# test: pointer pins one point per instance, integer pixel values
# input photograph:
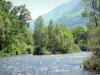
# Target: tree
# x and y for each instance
(14, 28)
(2, 34)
(63, 39)
(5, 6)
(80, 37)
(40, 32)
(92, 11)
(24, 15)
(28, 35)
(50, 33)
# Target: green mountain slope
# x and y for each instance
(67, 13)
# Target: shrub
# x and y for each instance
(73, 48)
(41, 51)
(15, 50)
(1, 53)
(45, 51)
(38, 51)
(92, 63)
(87, 64)
(29, 49)
(22, 46)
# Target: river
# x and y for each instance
(64, 64)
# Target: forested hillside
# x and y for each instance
(69, 14)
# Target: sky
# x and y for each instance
(39, 7)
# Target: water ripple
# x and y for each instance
(67, 64)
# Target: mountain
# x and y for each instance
(68, 13)
(73, 17)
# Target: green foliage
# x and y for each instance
(63, 39)
(45, 51)
(29, 49)
(23, 46)
(80, 35)
(93, 13)
(16, 38)
(94, 45)
(94, 38)
(28, 35)
(40, 33)
(1, 53)
(15, 50)
(92, 64)
(41, 51)
(38, 51)
(14, 32)
(74, 48)
(55, 38)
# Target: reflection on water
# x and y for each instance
(68, 64)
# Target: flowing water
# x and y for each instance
(67, 64)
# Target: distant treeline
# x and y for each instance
(57, 38)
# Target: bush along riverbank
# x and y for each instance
(92, 64)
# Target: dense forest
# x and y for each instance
(56, 38)
(16, 38)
